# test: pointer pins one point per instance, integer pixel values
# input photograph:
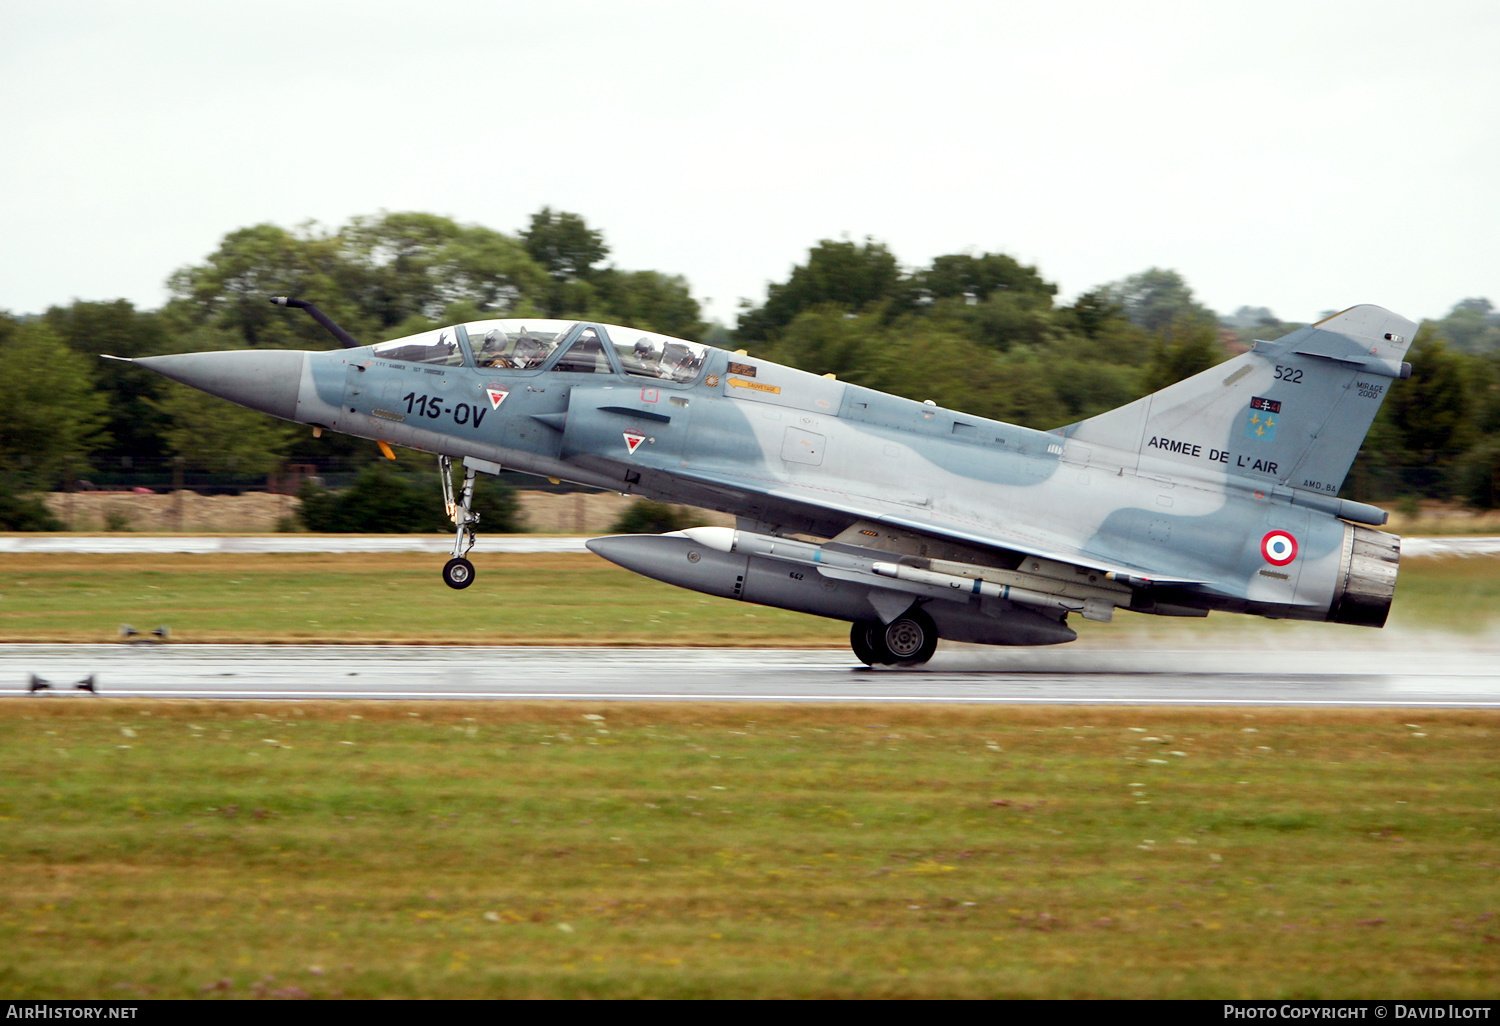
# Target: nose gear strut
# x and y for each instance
(458, 572)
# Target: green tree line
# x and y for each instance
(983, 333)
(980, 332)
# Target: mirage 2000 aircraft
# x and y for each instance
(909, 520)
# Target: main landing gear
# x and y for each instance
(908, 640)
(458, 572)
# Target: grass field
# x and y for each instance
(187, 849)
(549, 599)
(190, 849)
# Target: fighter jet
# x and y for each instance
(911, 521)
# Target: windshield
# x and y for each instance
(585, 355)
(649, 355)
(438, 347)
(515, 344)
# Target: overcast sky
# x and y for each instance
(1303, 156)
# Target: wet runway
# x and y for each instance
(957, 674)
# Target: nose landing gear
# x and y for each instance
(458, 572)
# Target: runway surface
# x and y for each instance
(959, 674)
(124, 544)
(127, 544)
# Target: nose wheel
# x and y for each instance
(458, 572)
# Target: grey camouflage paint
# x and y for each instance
(1177, 494)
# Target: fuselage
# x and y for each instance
(788, 452)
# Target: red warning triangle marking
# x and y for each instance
(497, 396)
(633, 440)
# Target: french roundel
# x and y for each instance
(1279, 548)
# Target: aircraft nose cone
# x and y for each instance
(267, 380)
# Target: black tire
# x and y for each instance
(862, 638)
(910, 639)
(458, 573)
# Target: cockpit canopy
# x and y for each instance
(533, 344)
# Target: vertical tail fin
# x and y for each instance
(1288, 414)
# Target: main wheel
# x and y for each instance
(911, 638)
(458, 572)
(863, 639)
